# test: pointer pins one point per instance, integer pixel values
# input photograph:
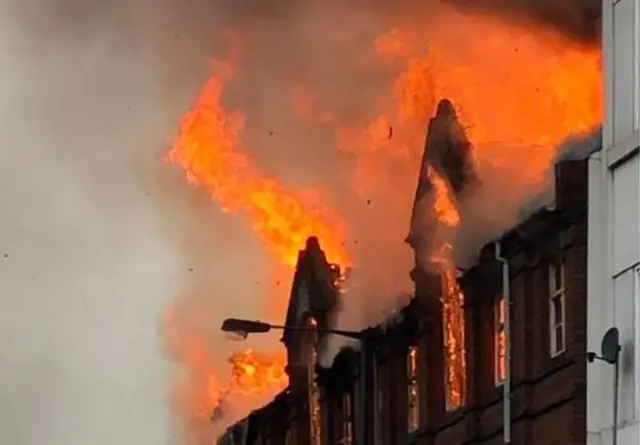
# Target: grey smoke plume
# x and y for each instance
(92, 243)
(579, 19)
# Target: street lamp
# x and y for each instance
(245, 327)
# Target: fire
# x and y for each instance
(451, 296)
(518, 86)
(444, 207)
(202, 395)
(254, 373)
(521, 90)
(208, 148)
(453, 328)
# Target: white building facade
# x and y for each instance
(613, 294)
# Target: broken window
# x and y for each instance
(315, 414)
(347, 419)
(557, 296)
(413, 390)
(500, 341)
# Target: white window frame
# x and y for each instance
(413, 389)
(499, 329)
(557, 291)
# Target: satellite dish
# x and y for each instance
(610, 346)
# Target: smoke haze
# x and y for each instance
(99, 237)
(92, 245)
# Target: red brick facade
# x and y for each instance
(548, 394)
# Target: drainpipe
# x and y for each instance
(506, 386)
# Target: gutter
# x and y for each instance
(506, 386)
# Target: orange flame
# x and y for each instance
(520, 91)
(254, 372)
(445, 208)
(454, 331)
(517, 86)
(208, 150)
(201, 395)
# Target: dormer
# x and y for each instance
(314, 299)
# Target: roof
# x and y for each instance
(448, 151)
(313, 290)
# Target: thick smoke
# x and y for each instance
(578, 19)
(96, 239)
(101, 236)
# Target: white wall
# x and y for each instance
(614, 230)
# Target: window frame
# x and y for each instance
(499, 329)
(316, 424)
(557, 292)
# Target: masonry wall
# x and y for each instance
(548, 400)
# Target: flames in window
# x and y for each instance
(453, 326)
(413, 390)
(500, 341)
(315, 413)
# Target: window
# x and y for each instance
(347, 419)
(315, 413)
(500, 341)
(413, 390)
(382, 404)
(289, 438)
(557, 323)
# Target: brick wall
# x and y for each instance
(548, 394)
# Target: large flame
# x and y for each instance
(208, 148)
(520, 91)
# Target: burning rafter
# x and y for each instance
(446, 173)
(454, 332)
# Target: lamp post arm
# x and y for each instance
(350, 334)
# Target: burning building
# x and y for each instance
(493, 354)
(336, 160)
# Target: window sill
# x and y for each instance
(412, 437)
(623, 150)
(557, 354)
